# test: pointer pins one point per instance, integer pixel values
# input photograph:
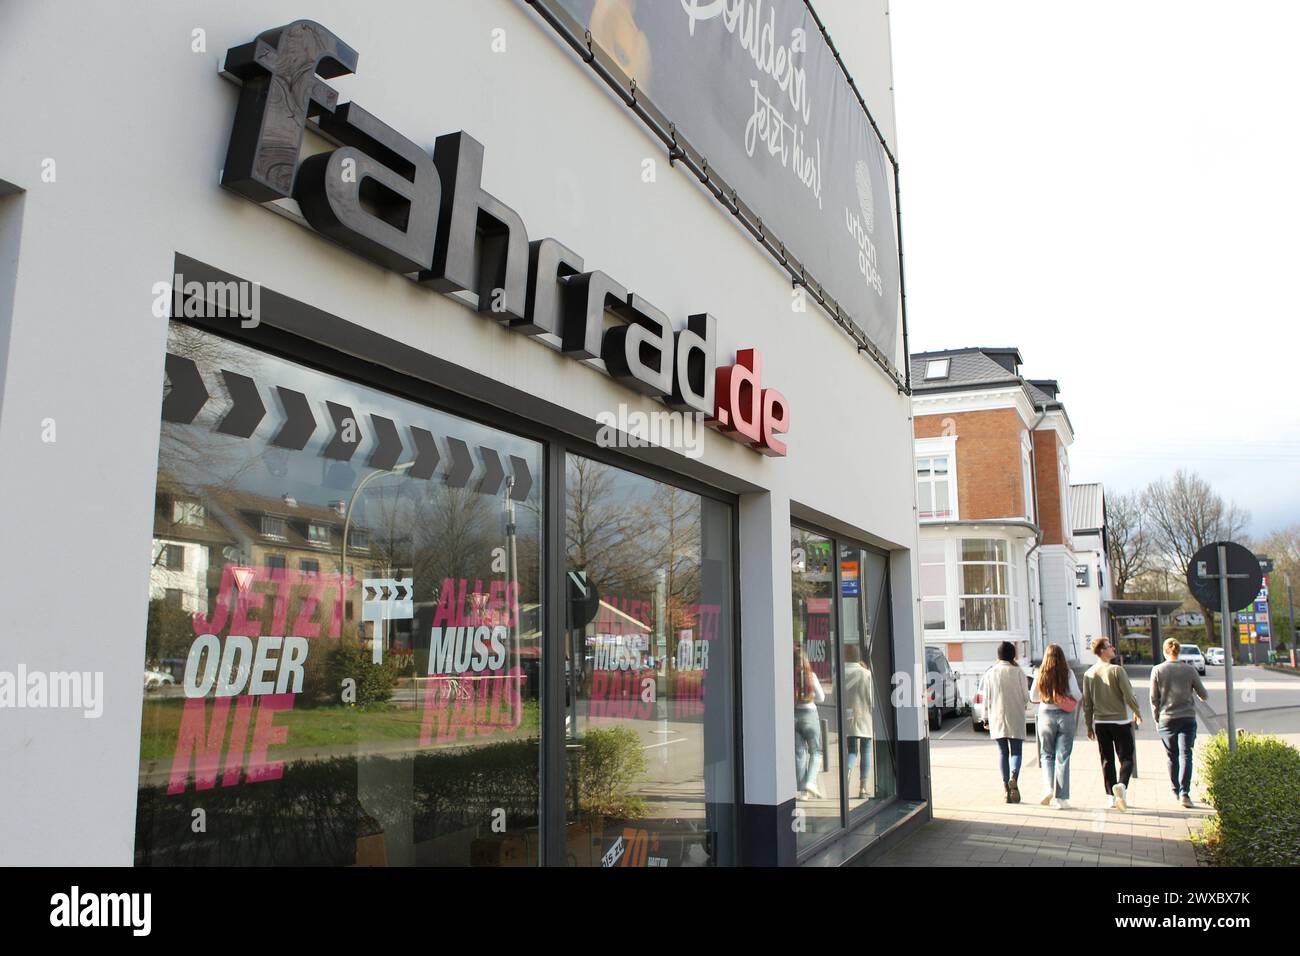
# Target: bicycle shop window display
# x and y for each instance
(352, 628)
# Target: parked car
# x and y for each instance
(942, 692)
(155, 679)
(1191, 654)
(977, 718)
(1214, 655)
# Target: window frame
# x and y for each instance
(931, 448)
(1008, 596)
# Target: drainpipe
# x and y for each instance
(1038, 539)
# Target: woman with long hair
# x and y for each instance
(1057, 694)
(808, 694)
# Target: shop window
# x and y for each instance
(934, 487)
(299, 749)
(649, 771)
(985, 581)
(816, 677)
(869, 773)
(843, 660)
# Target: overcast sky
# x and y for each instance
(1114, 188)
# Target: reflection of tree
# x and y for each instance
(601, 531)
(195, 449)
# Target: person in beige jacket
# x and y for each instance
(1006, 694)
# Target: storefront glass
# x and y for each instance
(816, 679)
(343, 650)
(649, 707)
(868, 662)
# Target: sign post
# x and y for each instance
(1238, 577)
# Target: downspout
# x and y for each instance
(1038, 539)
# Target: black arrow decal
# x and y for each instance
(187, 394)
(461, 463)
(347, 433)
(426, 454)
(246, 410)
(490, 483)
(523, 478)
(299, 424)
(388, 447)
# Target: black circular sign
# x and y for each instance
(584, 599)
(1203, 582)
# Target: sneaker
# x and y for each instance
(814, 790)
(1120, 800)
(1013, 791)
(1186, 800)
(1110, 803)
(863, 795)
(1047, 798)
(1061, 804)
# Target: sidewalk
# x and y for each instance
(974, 826)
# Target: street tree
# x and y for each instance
(1129, 545)
(1184, 514)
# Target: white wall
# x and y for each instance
(138, 125)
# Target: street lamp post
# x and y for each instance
(347, 525)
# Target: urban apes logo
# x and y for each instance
(429, 217)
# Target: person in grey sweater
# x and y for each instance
(1174, 711)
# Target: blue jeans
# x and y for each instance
(807, 746)
(1179, 737)
(1055, 744)
(855, 746)
(1009, 750)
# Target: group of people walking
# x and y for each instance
(1110, 715)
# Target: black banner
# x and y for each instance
(754, 88)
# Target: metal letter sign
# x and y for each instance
(381, 196)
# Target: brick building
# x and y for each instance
(993, 501)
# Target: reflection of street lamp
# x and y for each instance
(347, 523)
(347, 518)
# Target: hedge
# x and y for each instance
(1256, 791)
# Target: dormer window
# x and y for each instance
(937, 369)
(274, 526)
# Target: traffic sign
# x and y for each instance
(1244, 576)
(584, 599)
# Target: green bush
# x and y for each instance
(610, 764)
(1256, 791)
(374, 681)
